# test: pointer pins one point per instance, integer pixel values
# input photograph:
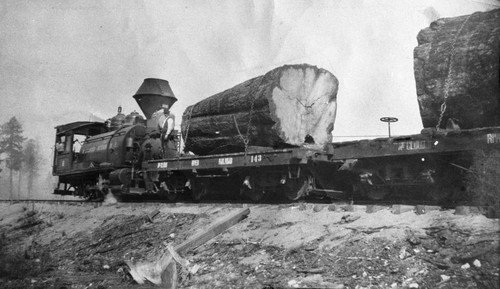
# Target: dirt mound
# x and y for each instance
(298, 245)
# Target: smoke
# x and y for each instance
(110, 199)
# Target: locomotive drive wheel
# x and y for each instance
(294, 189)
(94, 195)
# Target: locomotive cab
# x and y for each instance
(86, 153)
(69, 140)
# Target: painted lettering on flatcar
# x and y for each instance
(413, 145)
(256, 159)
(162, 165)
(493, 138)
(225, 161)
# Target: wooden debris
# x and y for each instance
(151, 215)
(312, 270)
(432, 208)
(374, 208)
(462, 210)
(438, 264)
(318, 208)
(420, 209)
(347, 208)
(348, 219)
(213, 230)
(399, 209)
(369, 230)
(164, 270)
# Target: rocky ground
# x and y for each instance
(298, 245)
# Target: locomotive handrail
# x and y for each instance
(109, 142)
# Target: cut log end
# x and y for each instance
(304, 105)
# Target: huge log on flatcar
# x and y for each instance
(288, 106)
(456, 67)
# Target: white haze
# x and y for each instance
(63, 61)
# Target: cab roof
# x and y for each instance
(81, 127)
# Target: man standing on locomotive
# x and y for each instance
(166, 123)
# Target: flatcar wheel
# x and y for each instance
(377, 193)
(295, 188)
(252, 188)
(199, 189)
(438, 195)
(166, 194)
(172, 197)
(255, 195)
(169, 196)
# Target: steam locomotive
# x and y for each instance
(127, 155)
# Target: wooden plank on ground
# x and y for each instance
(219, 226)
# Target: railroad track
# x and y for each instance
(238, 203)
(396, 207)
(47, 201)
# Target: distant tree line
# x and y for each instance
(18, 156)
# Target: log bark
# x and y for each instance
(278, 109)
(463, 54)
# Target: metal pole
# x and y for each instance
(388, 119)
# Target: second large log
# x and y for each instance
(288, 106)
(456, 67)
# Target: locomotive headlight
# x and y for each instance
(423, 159)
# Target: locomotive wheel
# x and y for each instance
(92, 195)
(295, 188)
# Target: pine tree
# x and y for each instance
(32, 162)
(11, 142)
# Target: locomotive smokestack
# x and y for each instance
(152, 94)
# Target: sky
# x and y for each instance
(65, 61)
